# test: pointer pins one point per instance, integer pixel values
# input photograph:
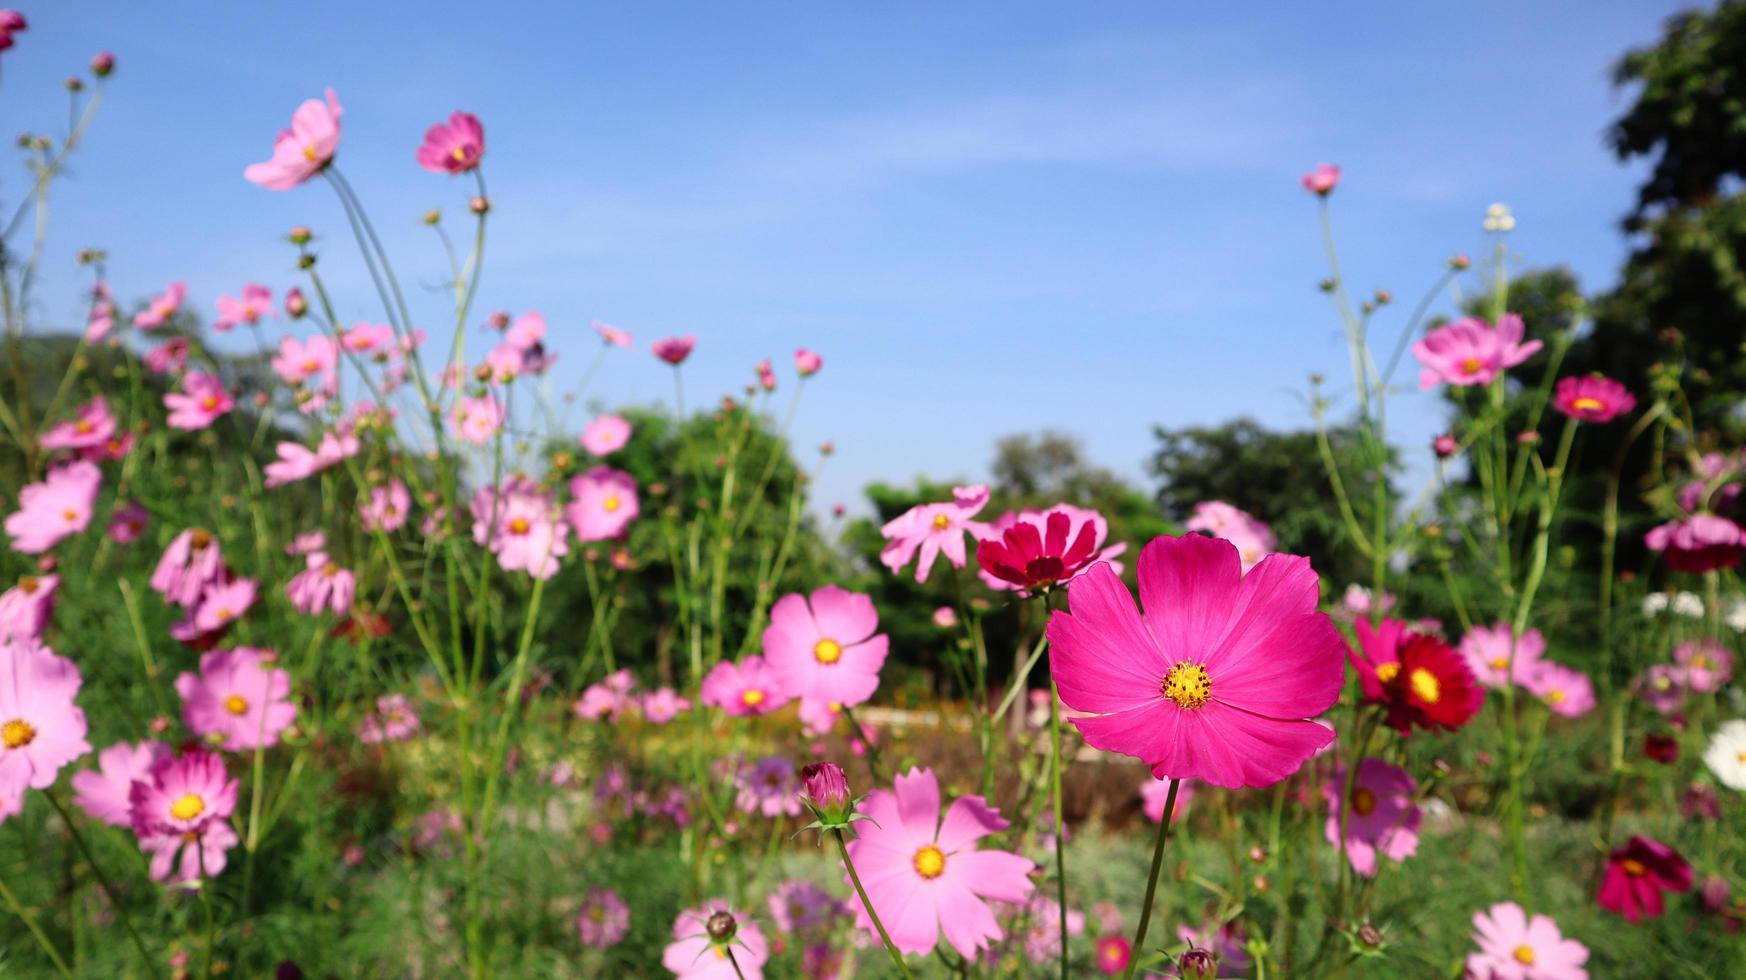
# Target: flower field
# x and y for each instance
(337, 647)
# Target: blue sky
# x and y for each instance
(990, 218)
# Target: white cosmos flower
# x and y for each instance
(1726, 754)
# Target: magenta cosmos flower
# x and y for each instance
(200, 402)
(1515, 947)
(454, 147)
(91, 426)
(823, 649)
(254, 303)
(181, 813)
(1382, 819)
(1219, 678)
(603, 502)
(57, 507)
(1699, 543)
(1155, 792)
(26, 607)
(606, 434)
(933, 530)
(749, 687)
(1253, 538)
(162, 307)
(704, 938)
(1636, 876)
(236, 701)
(302, 151)
(1498, 658)
(1030, 549)
(1592, 398)
(604, 919)
(925, 875)
(41, 729)
(1471, 352)
(1322, 180)
(106, 793)
(674, 350)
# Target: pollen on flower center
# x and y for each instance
(1587, 404)
(1633, 867)
(941, 522)
(17, 733)
(1555, 696)
(1189, 685)
(459, 153)
(930, 861)
(309, 152)
(1426, 686)
(827, 651)
(187, 807)
(209, 403)
(1525, 955)
(1499, 663)
(83, 426)
(596, 913)
(235, 704)
(1470, 365)
(1363, 801)
(752, 697)
(1386, 673)
(610, 504)
(519, 525)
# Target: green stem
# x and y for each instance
(42, 940)
(854, 878)
(1151, 881)
(103, 882)
(1060, 830)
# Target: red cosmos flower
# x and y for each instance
(1636, 876)
(1661, 748)
(1419, 679)
(1033, 559)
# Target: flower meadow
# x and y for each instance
(338, 648)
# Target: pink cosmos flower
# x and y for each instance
(934, 529)
(181, 794)
(799, 906)
(191, 563)
(1514, 947)
(925, 875)
(521, 526)
(200, 402)
(100, 320)
(322, 584)
(694, 954)
(387, 508)
(807, 363)
(769, 787)
(254, 303)
(1220, 678)
(1566, 691)
(236, 701)
(106, 792)
(1636, 876)
(306, 544)
(1155, 792)
(1043, 936)
(674, 350)
(162, 307)
(1358, 601)
(26, 607)
(302, 151)
(612, 336)
(606, 434)
(1383, 819)
(1592, 398)
(1032, 549)
(603, 502)
(824, 650)
(609, 699)
(11, 22)
(1487, 650)
(1253, 538)
(185, 859)
(170, 357)
(1322, 180)
(945, 617)
(302, 362)
(1708, 665)
(526, 332)
(766, 375)
(749, 687)
(363, 338)
(1663, 688)
(57, 507)
(1471, 352)
(604, 919)
(41, 729)
(93, 425)
(662, 705)
(224, 603)
(1699, 543)
(1112, 953)
(504, 363)
(454, 147)
(297, 462)
(395, 720)
(476, 420)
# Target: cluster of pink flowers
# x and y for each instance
(1498, 659)
(520, 524)
(611, 699)
(1253, 538)
(1699, 667)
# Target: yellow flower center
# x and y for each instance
(1525, 955)
(1386, 673)
(1586, 404)
(27, 584)
(1633, 867)
(1363, 802)
(941, 522)
(1470, 366)
(1499, 663)
(518, 526)
(751, 697)
(930, 862)
(309, 152)
(1701, 662)
(329, 570)
(596, 913)
(1426, 686)
(209, 403)
(187, 807)
(459, 153)
(82, 426)
(69, 515)
(17, 733)
(827, 651)
(1555, 696)
(235, 704)
(610, 504)
(1188, 685)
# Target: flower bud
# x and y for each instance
(825, 789)
(1444, 446)
(300, 235)
(75, 83)
(721, 927)
(1198, 964)
(1460, 263)
(479, 204)
(1715, 893)
(306, 261)
(103, 64)
(295, 304)
(433, 216)
(807, 363)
